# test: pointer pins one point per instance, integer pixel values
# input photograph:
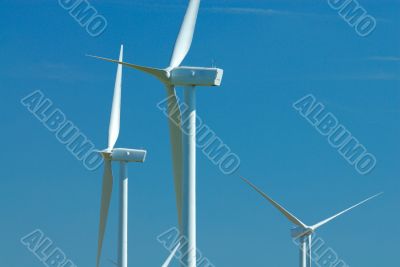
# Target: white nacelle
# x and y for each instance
(299, 232)
(128, 155)
(194, 76)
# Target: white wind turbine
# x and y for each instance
(183, 145)
(303, 232)
(123, 156)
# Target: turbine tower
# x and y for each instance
(123, 156)
(183, 141)
(303, 232)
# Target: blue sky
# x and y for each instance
(273, 53)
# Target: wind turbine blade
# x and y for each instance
(316, 226)
(185, 36)
(171, 256)
(113, 131)
(174, 121)
(286, 213)
(158, 73)
(105, 205)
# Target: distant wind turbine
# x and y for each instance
(123, 156)
(302, 231)
(183, 145)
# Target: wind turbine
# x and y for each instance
(123, 156)
(302, 231)
(183, 145)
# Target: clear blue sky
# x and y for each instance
(271, 59)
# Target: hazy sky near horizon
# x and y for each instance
(273, 53)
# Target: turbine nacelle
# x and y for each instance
(124, 154)
(195, 76)
(298, 232)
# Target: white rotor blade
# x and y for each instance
(105, 205)
(185, 36)
(171, 256)
(174, 121)
(113, 130)
(286, 213)
(158, 73)
(316, 226)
